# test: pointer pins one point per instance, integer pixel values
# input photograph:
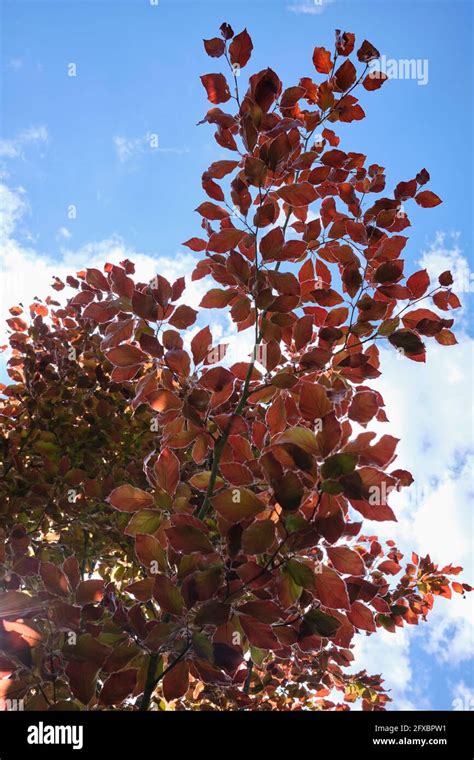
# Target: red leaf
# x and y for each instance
(300, 194)
(82, 679)
(216, 87)
(54, 579)
(344, 42)
(214, 47)
(361, 617)
(374, 80)
(129, 499)
(330, 589)
(223, 241)
(236, 504)
(167, 470)
(236, 473)
(446, 338)
(118, 687)
(259, 634)
(95, 278)
(418, 283)
(183, 317)
(240, 49)
(313, 402)
(188, 539)
(346, 560)
(90, 591)
(367, 52)
(389, 566)
(126, 356)
(100, 312)
(176, 681)
(226, 31)
(196, 244)
(445, 278)
(163, 401)
(148, 549)
(219, 169)
(364, 406)
(322, 60)
(212, 211)
(427, 199)
(345, 75)
(141, 590)
(216, 299)
(201, 344)
(303, 331)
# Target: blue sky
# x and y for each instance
(81, 140)
(138, 70)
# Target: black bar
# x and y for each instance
(114, 735)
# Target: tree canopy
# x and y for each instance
(180, 532)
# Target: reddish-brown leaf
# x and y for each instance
(322, 60)
(223, 241)
(118, 686)
(54, 579)
(346, 560)
(214, 47)
(330, 589)
(216, 87)
(167, 469)
(127, 498)
(126, 356)
(361, 617)
(240, 49)
(176, 681)
(427, 199)
(236, 504)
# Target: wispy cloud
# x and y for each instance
(309, 7)
(15, 63)
(63, 234)
(12, 148)
(128, 148)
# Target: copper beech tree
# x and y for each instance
(179, 529)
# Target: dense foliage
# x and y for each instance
(178, 529)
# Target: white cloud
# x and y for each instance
(12, 207)
(429, 407)
(463, 697)
(12, 148)
(309, 7)
(128, 147)
(387, 654)
(63, 234)
(132, 147)
(26, 273)
(445, 253)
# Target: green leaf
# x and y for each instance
(321, 624)
(168, 595)
(337, 465)
(203, 646)
(302, 574)
(301, 437)
(147, 521)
